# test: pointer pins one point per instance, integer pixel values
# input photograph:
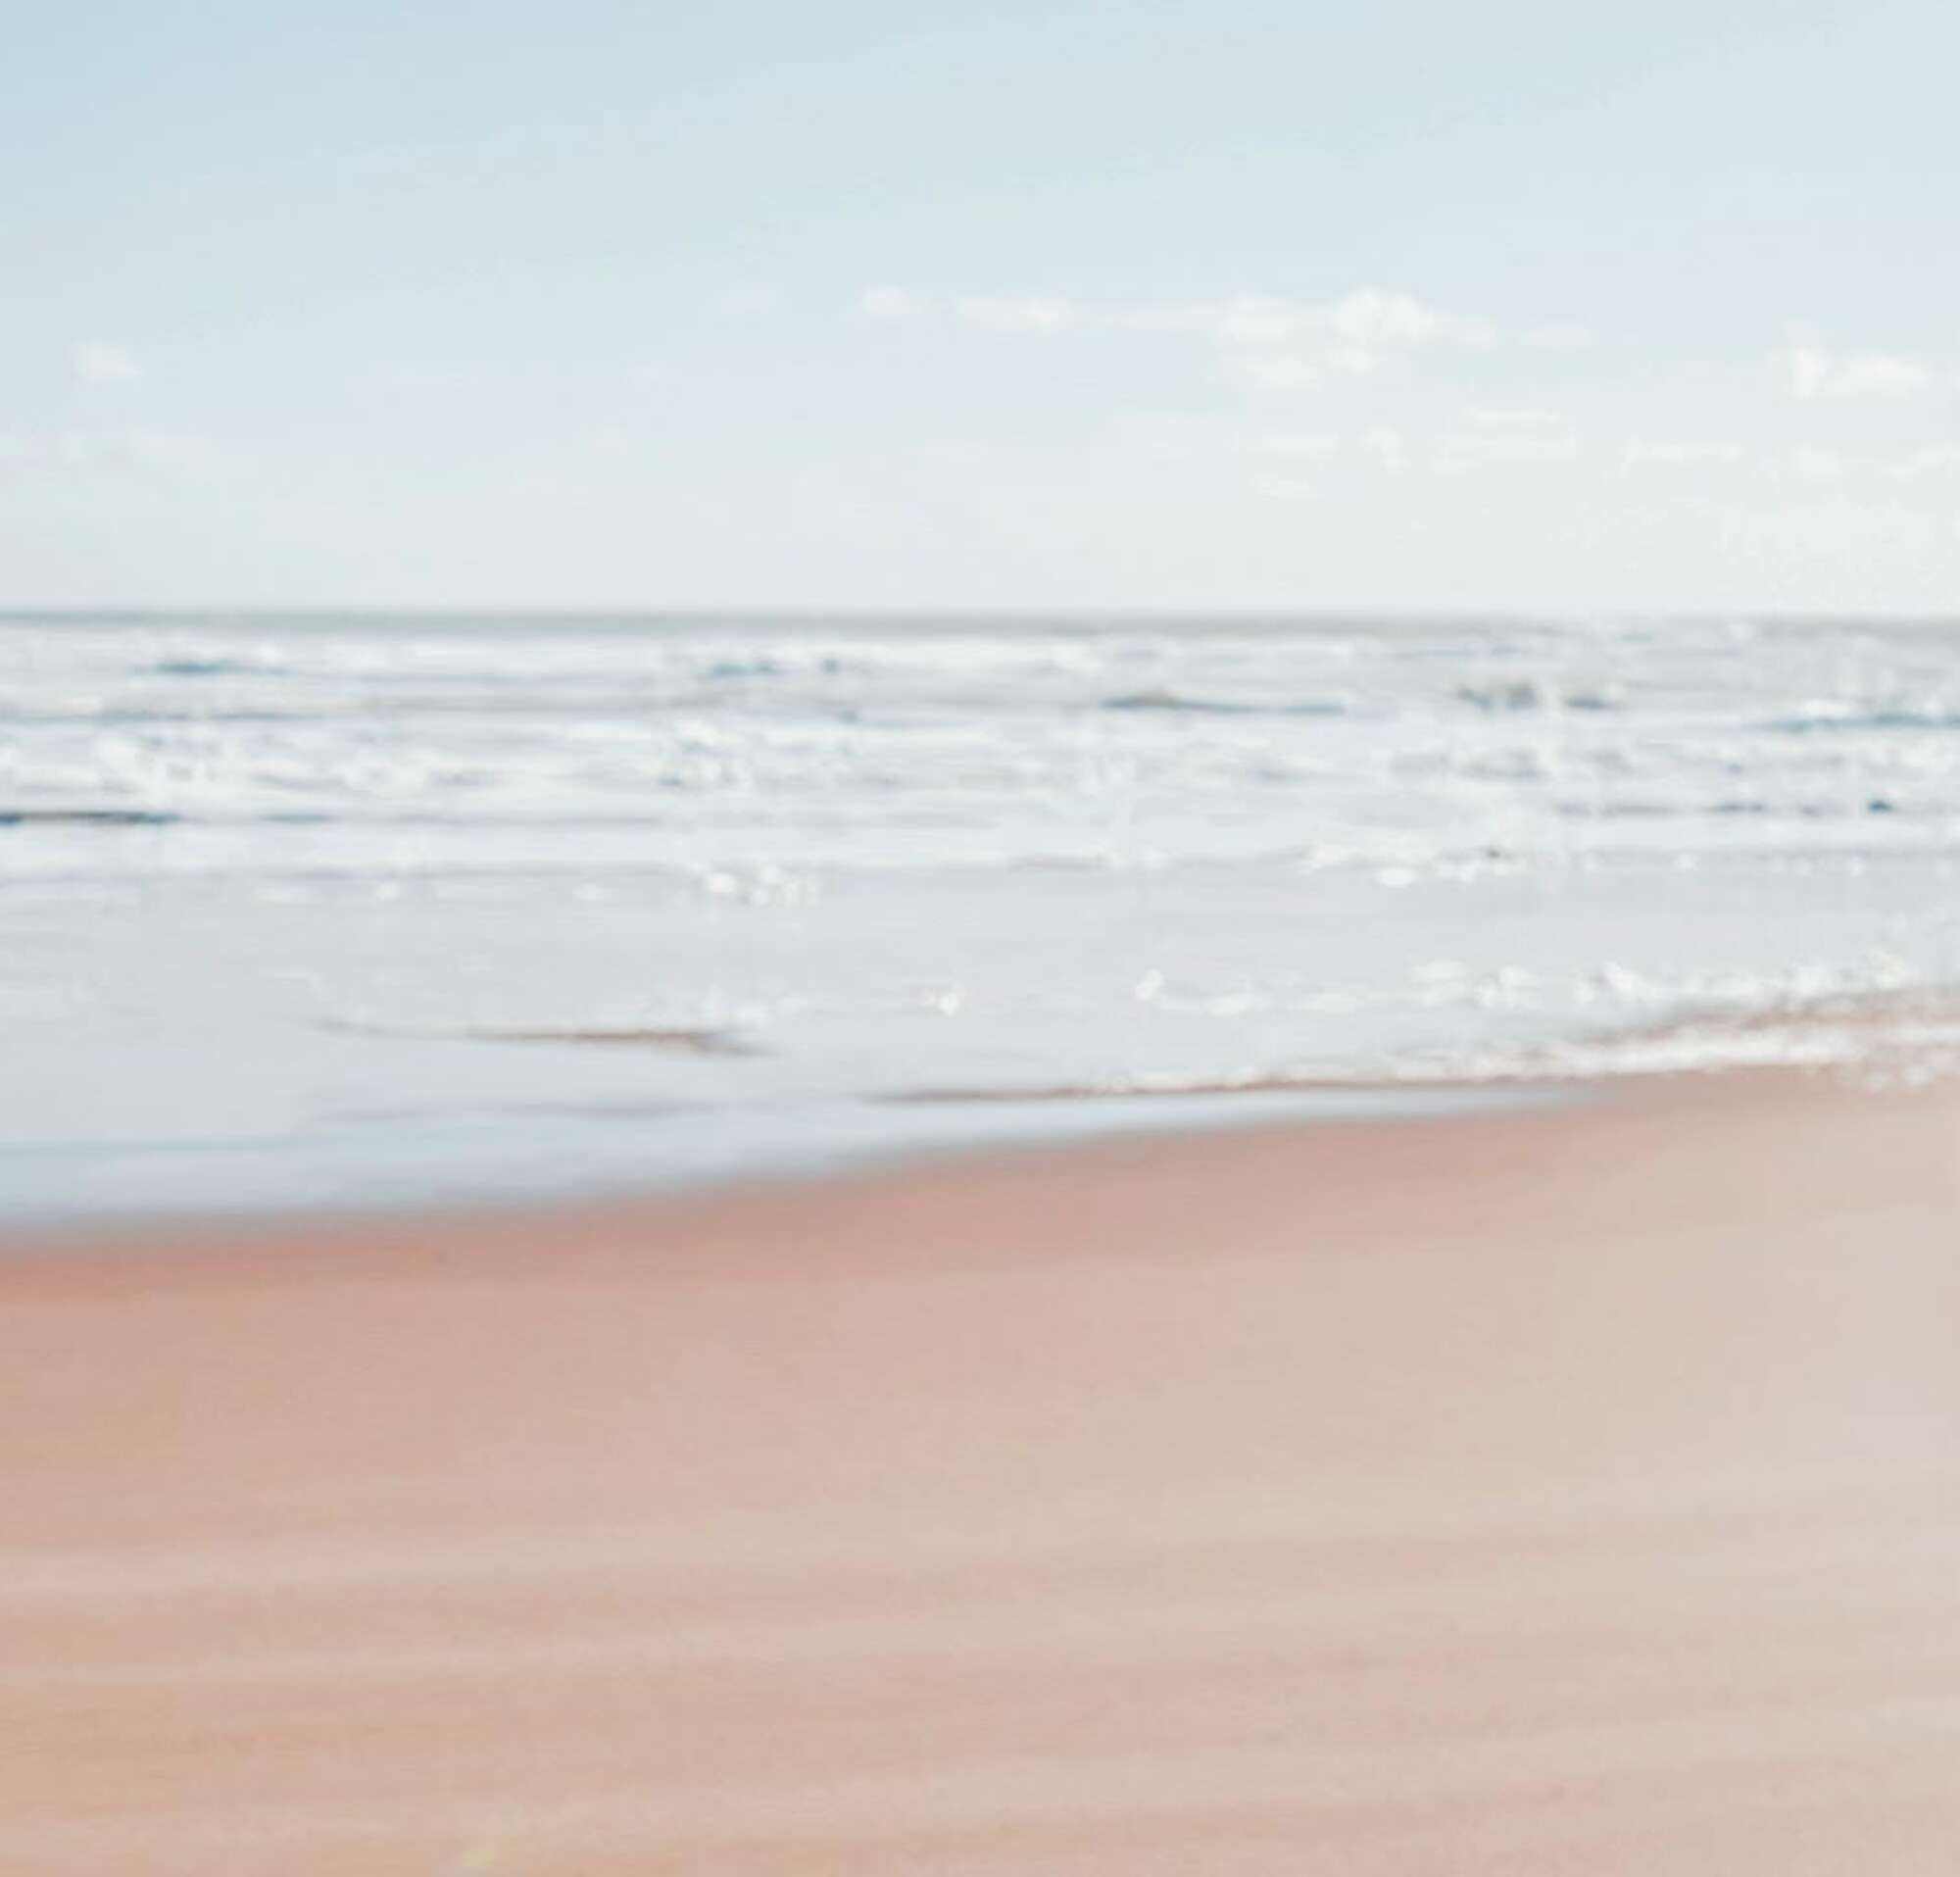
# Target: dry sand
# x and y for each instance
(1566, 1493)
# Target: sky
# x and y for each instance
(1116, 305)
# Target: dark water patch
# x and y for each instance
(359, 812)
(731, 670)
(690, 1042)
(681, 1039)
(1813, 810)
(1829, 724)
(1177, 701)
(391, 705)
(441, 1115)
(87, 817)
(1533, 694)
(1732, 808)
(1068, 1092)
(213, 668)
(118, 716)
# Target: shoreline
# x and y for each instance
(1892, 1040)
(1150, 1118)
(1567, 1487)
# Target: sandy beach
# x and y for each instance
(1565, 1492)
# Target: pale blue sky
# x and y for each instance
(1146, 304)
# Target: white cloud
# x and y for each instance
(178, 453)
(1860, 534)
(95, 362)
(1811, 464)
(1173, 436)
(1376, 318)
(1388, 446)
(890, 303)
(1026, 313)
(172, 456)
(1279, 345)
(1298, 369)
(1265, 342)
(1517, 418)
(1808, 371)
(1930, 459)
(1879, 374)
(1367, 317)
(1509, 436)
(1557, 335)
(1642, 454)
(1034, 313)
(1516, 446)
(1247, 319)
(1313, 447)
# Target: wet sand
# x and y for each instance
(1575, 1492)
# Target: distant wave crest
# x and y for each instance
(1166, 700)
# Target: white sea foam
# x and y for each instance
(265, 878)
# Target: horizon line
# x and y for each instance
(667, 612)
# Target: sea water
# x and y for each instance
(303, 910)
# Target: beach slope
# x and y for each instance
(1568, 1492)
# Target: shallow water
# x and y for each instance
(299, 910)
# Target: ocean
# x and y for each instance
(303, 910)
